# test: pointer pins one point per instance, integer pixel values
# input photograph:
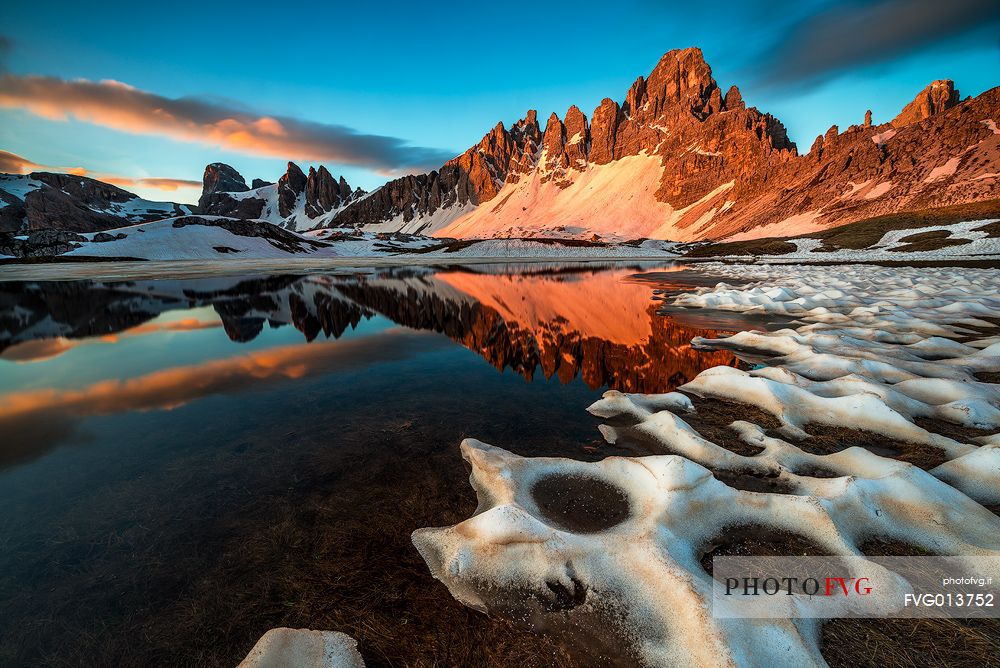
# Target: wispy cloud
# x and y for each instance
(122, 107)
(838, 37)
(40, 350)
(157, 182)
(12, 163)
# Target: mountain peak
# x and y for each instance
(221, 178)
(291, 183)
(939, 96)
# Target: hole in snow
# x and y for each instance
(825, 440)
(891, 547)
(757, 541)
(754, 482)
(565, 597)
(580, 504)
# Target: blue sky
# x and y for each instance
(419, 81)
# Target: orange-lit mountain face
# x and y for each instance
(592, 325)
(595, 326)
(679, 158)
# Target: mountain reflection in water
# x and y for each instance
(591, 324)
(185, 464)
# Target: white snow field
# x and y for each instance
(873, 349)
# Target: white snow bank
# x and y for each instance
(636, 585)
(160, 240)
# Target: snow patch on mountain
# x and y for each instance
(800, 223)
(424, 224)
(615, 201)
(18, 185)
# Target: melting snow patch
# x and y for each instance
(879, 189)
(883, 137)
(615, 548)
(943, 171)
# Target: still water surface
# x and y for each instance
(187, 463)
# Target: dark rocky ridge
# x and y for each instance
(76, 204)
(321, 191)
(221, 178)
(277, 237)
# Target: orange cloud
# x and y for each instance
(183, 325)
(40, 350)
(160, 183)
(116, 105)
(12, 163)
(37, 351)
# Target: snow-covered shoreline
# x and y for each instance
(68, 271)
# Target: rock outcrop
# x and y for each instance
(41, 243)
(291, 184)
(278, 202)
(220, 178)
(939, 96)
(324, 193)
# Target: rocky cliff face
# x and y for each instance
(678, 112)
(319, 194)
(221, 178)
(939, 96)
(676, 158)
(688, 161)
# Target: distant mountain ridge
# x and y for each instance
(296, 201)
(677, 159)
(46, 200)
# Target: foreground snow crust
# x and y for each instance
(871, 349)
(303, 648)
